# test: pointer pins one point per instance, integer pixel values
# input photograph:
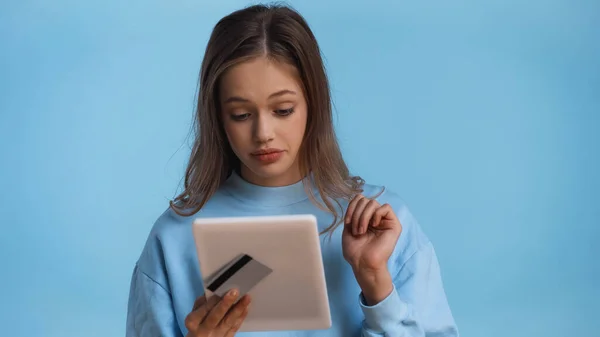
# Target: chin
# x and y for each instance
(270, 172)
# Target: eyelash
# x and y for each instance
(281, 112)
(284, 112)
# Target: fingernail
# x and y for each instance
(233, 292)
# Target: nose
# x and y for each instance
(264, 128)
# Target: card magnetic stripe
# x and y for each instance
(244, 260)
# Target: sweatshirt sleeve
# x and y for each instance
(150, 309)
(417, 306)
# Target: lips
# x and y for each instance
(268, 156)
(266, 151)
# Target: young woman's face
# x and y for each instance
(264, 116)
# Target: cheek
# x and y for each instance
(299, 134)
(297, 128)
(235, 135)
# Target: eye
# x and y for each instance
(240, 117)
(284, 112)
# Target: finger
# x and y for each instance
(194, 318)
(207, 306)
(384, 212)
(351, 207)
(199, 301)
(238, 324)
(233, 316)
(367, 216)
(362, 203)
(217, 313)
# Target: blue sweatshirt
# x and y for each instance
(166, 279)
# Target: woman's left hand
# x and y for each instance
(370, 234)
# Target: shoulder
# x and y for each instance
(167, 227)
(413, 238)
(171, 224)
(170, 240)
(161, 243)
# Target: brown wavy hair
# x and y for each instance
(280, 33)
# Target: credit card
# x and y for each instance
(243, 273)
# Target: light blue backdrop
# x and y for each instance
(483, 115)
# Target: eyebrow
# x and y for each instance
(239, 99)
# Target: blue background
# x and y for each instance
(483, 115)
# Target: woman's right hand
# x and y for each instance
(217, 317)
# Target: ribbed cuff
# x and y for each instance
(385, 315)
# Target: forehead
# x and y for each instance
(258, 78)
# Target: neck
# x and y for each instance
(265, 196)
(290, 177)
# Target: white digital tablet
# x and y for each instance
(275, 259)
